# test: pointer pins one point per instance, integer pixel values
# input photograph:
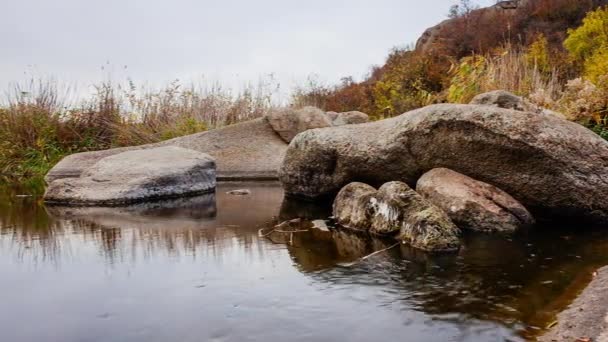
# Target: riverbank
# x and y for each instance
(586, 319)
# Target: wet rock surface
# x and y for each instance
(541, 160)
(472, 204)
(135, 176)
(398, 211)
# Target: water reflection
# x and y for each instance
(203, 257)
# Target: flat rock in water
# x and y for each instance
(555, 168)
(135, 176)
(398, 211)
(472, 204)
(248, 150)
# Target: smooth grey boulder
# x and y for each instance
(398, 211)
(507, 100)
(556, 168)
(135, 176)
(289, 122)
(348, 118)
(248, 150)
(472, 204)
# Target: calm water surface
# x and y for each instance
(196, 270)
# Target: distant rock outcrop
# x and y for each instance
(483, 29)
(439, 33)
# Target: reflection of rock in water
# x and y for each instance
(210, 224)
(317, 249)
(183, 212)
(292, 208)
(351, 246)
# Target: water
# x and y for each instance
(197, 270)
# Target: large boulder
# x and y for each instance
(554, 167)
(135, 176)
(289, 122)
(398, 211)
(248, 150)
(472, 204)
(347, 118)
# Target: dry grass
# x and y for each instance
(39, 124)
(510, 70)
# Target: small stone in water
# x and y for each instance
(239, 192)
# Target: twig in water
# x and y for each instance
(261, 234)
(369, 255)
(291, 231)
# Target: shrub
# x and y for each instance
(584, 102)
(407, 81)
(538, 54)
(588, 44)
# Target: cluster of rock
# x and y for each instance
(251, 150)
(431, 217)
(398, 211)
(490, 167)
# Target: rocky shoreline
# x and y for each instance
(586, 319)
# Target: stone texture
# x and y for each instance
(507, 100)
(472, 204)
(353, 207)
(434, 38)
(587, 317)
(398, 211)
(289, 122)
(248, 150)
(135, 176)
(554, 167)
(349, 118)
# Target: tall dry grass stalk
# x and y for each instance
(515, 72)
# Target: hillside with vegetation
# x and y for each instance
(553, 52)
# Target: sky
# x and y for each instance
(81, 42)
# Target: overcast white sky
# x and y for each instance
(230, 41)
